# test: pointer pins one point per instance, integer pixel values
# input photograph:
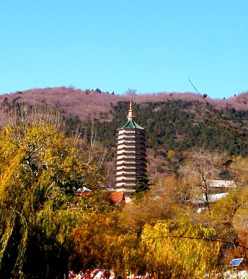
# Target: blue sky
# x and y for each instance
(148, 45)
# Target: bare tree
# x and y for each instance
(131, 92)
(202, 166)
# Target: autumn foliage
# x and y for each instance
(47, 230)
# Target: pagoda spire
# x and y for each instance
(130, 111)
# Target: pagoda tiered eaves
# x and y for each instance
(130, 156)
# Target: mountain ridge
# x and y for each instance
(84, 103)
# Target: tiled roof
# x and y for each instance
(117, 197)
(131, 124)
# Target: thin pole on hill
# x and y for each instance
(194, 87)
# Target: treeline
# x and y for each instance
(180, 125)
(177, 125)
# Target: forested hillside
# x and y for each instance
(182, 125)
(172, 120)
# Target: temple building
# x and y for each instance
(131, 175)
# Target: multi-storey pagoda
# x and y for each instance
(131, 161)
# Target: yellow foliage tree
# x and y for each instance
(40, 170)
(179, 250)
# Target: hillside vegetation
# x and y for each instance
(172, 120)
(182, 125)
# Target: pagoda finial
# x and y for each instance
(130, 111)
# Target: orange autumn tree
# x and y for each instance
(103, 241)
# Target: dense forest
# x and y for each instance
(182, 125)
